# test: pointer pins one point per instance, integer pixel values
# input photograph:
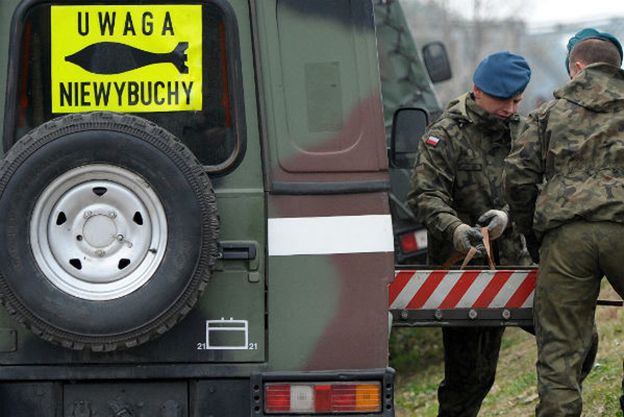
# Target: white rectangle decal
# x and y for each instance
(330, 235)
(227, 334)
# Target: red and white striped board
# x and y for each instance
(462, 289)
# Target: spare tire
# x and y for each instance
(109, 231)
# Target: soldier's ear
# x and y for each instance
(576, 67)
(476, 92)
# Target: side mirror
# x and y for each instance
(408, 126)
(437, 62)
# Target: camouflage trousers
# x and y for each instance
(470, 359)
(574, 259)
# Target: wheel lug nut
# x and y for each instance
(112, 214)
(88, 214)
(99, 252)
(120, 238)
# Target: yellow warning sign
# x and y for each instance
(143, 58)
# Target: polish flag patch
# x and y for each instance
(432, 140)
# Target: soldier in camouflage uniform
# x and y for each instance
(457, 184)
(565, 186)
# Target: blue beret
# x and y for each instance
(590, 33)
(502, 75)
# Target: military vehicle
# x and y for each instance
(406, 82)
(195, 207)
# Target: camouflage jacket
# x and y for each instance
(458, 177)
(568, 162)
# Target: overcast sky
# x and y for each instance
(542, 12)
(550, 11)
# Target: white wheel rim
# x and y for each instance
(98, 232)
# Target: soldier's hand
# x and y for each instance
(496, 222)
(465, 237)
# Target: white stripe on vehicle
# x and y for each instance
(330, 235)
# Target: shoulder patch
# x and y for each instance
(432, 140)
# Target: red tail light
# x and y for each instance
(335, 398)
(413, 241)
(277, 397)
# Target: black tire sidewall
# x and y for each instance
(177, 184)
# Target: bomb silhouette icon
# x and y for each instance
(116, 58)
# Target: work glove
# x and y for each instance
(465, 237)
(496, 222)
(532, 246)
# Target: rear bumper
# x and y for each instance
(164, 395)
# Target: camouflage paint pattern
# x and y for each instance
(313, 116)
(458, 177)
(564, 322)
(404, 79)
(574, 145)
(323, 310)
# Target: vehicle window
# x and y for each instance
(170, 64)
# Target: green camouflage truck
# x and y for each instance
(406, 82)
(196, 206)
